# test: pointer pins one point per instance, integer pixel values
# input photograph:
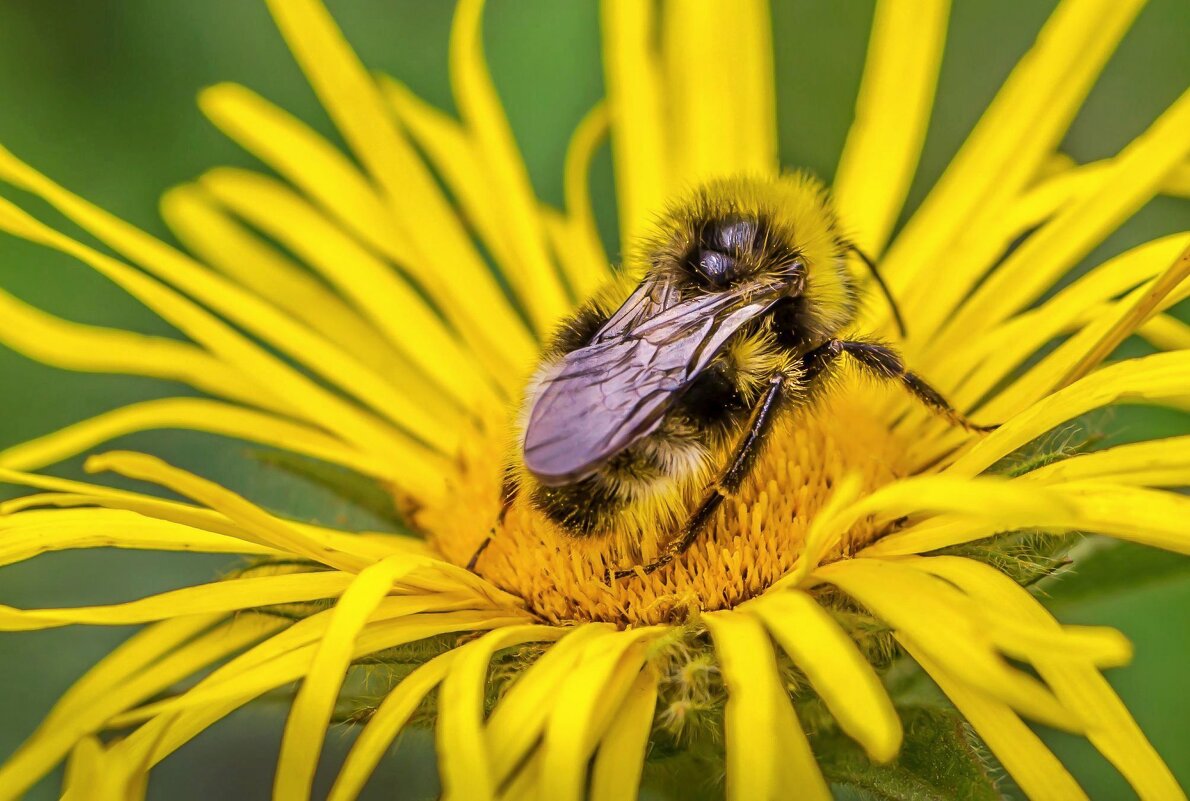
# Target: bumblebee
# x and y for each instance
(646, 412)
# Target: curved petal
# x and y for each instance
(536, 278)
(634, 100)
(1020, 751)
(196, 414)
(74, 346)
(1159, 378)
(443, 257)
(228, 595)
(386, 722)
(1110, 728)
(720, 101)
(392, 305)
(1135, 176)
(121, 682)
(301, 743)
(948, 628)
(767, 751)
(228, 246)
(464, 763)
(1019, 130)
(837, 670)
(518, 720)
(584, 706)
(306, 398)
(621, 755)
(891, 116)
(31, 534)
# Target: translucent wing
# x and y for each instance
(603, 397)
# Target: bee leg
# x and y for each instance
(733, 476)
(884, 363)
(508, 493)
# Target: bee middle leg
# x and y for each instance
(883, 363)
(746, 453)
(508, 493)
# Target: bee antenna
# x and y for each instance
(892, 304)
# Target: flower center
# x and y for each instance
(755, 538)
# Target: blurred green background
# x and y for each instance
(99, 94)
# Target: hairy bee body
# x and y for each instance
(654, 483)
(654, 399)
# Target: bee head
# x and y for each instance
(752, 234)
(726, 251)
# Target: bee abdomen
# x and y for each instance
(655, 473)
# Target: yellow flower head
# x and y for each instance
(845, 556)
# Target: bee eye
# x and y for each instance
(718, 268)
(738, 237)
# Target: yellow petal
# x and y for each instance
(948, 628)
(125, 684)
(1148, 517)
(526, 784)
(536, 278)
(1161, 377)
(306, 398)
(1007, 504)
(194, 414)
(370, 548)
(1166, 333)
(1037, 771)
(634, 102)
(306, 160)
(837, 670)
(73, 346)
(1135, 177)
(1110, 728)
(1135, 311)
(31, 534)
(824, 531)
(891, 117)
(517, 721)
(287, 657)
(1103, 331)
(586, 264)
(463, 761)
(92, 775)
(621, 756)
(443, 257)
(1155, 463)
(388, 301)
(986, 360)
(255, 524)
(583, 707)
(385, 723)
(719, 89)
(1019, 130)
(229, 595)
(301, 744)
(453, 154)
(1063, 179)
(768, 754)
(276, 662)
(196, 219)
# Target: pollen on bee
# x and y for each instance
(753, 540)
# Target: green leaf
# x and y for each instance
(360, 491)
(1102, 568)
(940, 760)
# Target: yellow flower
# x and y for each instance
(550, 679)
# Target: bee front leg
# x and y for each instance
(744, 457)
(883, 363)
